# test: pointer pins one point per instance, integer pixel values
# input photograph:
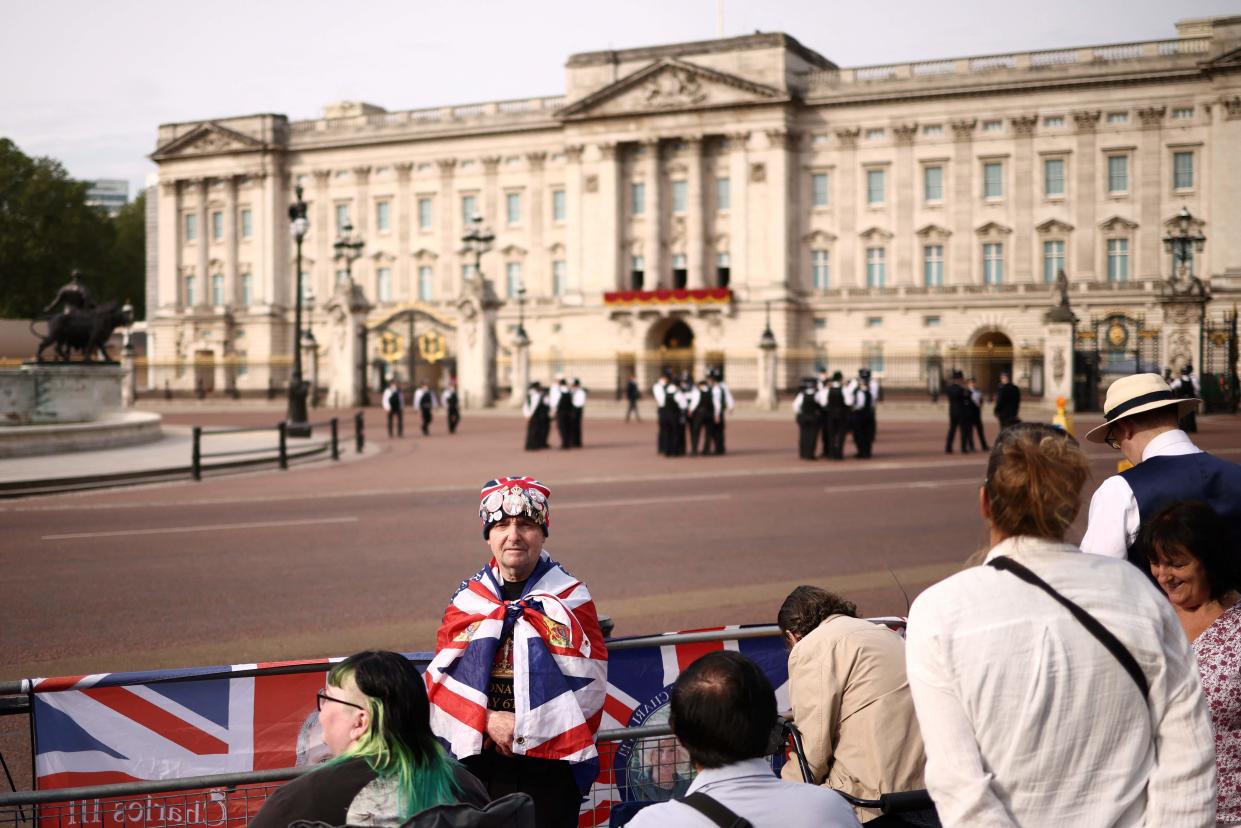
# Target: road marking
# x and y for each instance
(910, 484)
(643, 501)
(215, 527)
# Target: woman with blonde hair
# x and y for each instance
(1055, 688)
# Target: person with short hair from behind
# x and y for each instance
(1038, 713)
(850, 701)
(1187, 547)
(1007, 401)
(386, 765)
(1141, 421)
(723, 713)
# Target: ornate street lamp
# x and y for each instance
(522, 338)
(348, 249)
(1180, 244)
(768, 339)
(296, 424)
(477, 240)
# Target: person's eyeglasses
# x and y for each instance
(322, 697)
(1110, 440)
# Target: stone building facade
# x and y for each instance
(677, 200)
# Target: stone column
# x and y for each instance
(232, 290)
(1148, 190)
(846, 272)
(739, 225)
(204, 243)
(963, 263)
(346, 311)
(574, 252)
(1023, 193)
(405, 287)
(450, 282)
(905, 194)
(322, 235)
(653, 246)
(1081, 182)
(490, 202)
(768, 395)
(695, 214)
(521, 370)
(171, 233)
(782, 222)
(609, 239)
(540, 267)
(1058, 361)
(271, 268)
(362, 229)
(476, 342)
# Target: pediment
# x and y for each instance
(818, 237)
(934, 231)
(513, 250)
(670, 84)
(875, 234)
(423, 254)
(1232, 58)
(1054, 227)
(1117, 223)
(207, 139)
(1172, 224)
(993, 228)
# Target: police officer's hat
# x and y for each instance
(809, 383)
(864, 373)
(837, 376)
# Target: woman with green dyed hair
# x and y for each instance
(386, 763)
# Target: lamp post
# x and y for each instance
(477, 240)
(522, 338)
(296, 419)
(348, 250)
(768, 393)
(1180, 244)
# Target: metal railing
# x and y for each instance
(282, 452)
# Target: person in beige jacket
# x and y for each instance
(851, 701)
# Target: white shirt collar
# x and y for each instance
(1168, 443)
(737, 770)
(1026, 546)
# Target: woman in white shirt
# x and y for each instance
(1027, 717)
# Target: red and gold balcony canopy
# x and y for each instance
(701, 296)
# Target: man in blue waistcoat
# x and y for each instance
(1140, 419)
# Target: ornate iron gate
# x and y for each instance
(1113, 344)
(1220, 386)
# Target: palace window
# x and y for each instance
(723, 194)
(1053, 177)
(383, 284)
(217, 225)
(1053, 121)
(875, 186)
(558, 205)
(637, 198)
(191, 227)
(1118, 260)
(247, 289)
(469, 206)
(933, 265)
(1053, 260)
(426, 287)
(512, 208)
(1118, 117)
(933, 183)
(723, 268)
(820, 269)
(818, 189)
(1117, 174)
(993, 180)
(342, 217)
(876, 267)
(560, 276)
(247, 223)
(1183, 170)
(191, 298)
(425, 216)
(217, 289)
(512, 278)
(637, 272)
(933, 129)
(680, 271)
(383, 216)
(1182, 113)
(993, 263)
(680, 196)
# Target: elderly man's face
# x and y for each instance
(516, 543)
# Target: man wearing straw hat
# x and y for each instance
(1140, 420)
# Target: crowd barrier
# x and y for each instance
(639, 760)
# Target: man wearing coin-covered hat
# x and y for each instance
(520, 669)
(1140, 419)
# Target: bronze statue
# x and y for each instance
(73, 296)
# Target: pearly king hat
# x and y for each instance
(514, 496)
(1134, 395)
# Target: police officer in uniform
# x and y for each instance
(806, 413)
(861, 394)
(835, 416)
(701, 417)
(535, 411)
(956, 394)
(424, 401)
(1186, 387)
(723, 402)
(577, 407)
(452, 403)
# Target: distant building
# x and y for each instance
(676, 199)
(109, 193)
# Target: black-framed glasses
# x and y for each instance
(1110, 440)
(322, 697)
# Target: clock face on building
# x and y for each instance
(1117, 335)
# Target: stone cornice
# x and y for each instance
(1087, 120)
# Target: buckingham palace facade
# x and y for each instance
(677, 200)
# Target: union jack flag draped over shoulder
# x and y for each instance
(559, 666)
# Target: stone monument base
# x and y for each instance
(46, 408)
(111, 430)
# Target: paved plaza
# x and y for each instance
(327, 559)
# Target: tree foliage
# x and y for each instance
(47, 230)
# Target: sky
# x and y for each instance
(88, 82)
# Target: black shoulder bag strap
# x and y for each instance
(1092, 625)
(714, 811)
